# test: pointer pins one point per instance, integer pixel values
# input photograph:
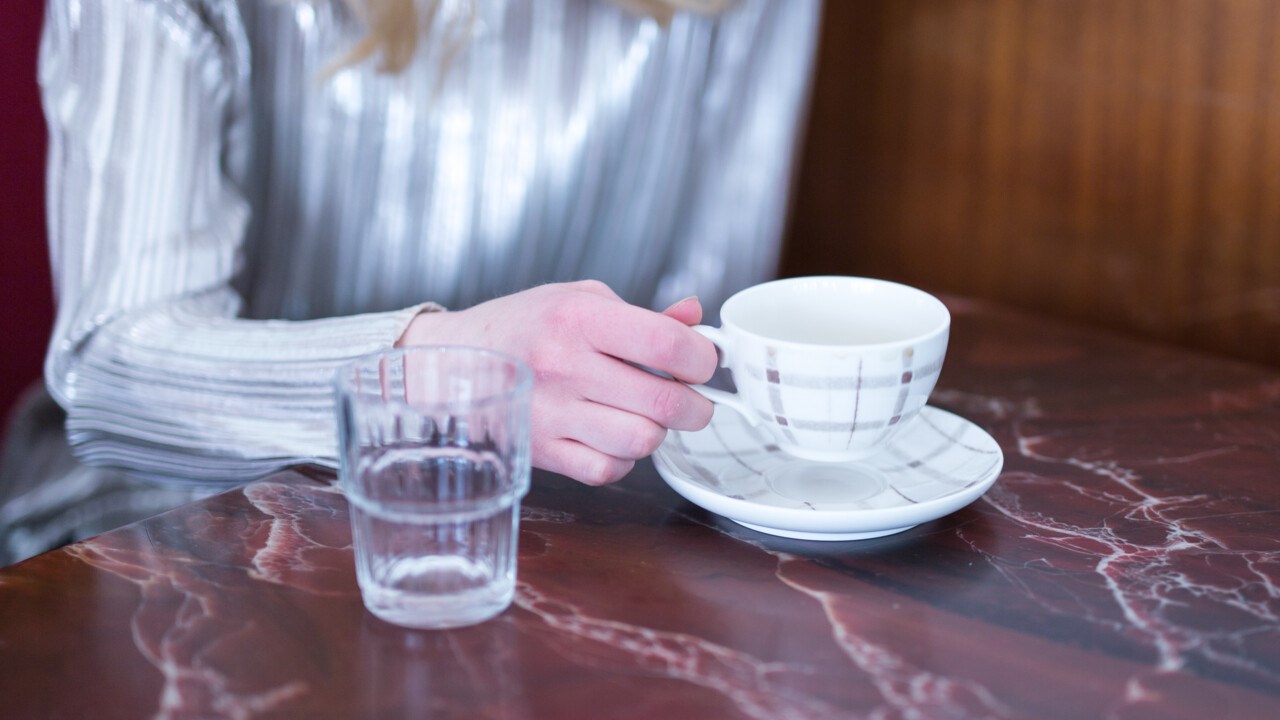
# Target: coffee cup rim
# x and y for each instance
(942, 326)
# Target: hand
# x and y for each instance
(594, 414)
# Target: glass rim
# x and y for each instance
(344, 384)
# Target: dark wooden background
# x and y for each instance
(1115, 162)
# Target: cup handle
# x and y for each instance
(728, 399)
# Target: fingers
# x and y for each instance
(577, 461)
(687, 311)
(660, 341)
(651, 339)
(592, 443)
(595, 414)
(608, 430)
(667, 403)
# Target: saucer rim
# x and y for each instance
(817, 520)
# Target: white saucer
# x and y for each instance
(935, 466)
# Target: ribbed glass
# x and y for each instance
(435, 460)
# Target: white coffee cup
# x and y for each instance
(833, 367)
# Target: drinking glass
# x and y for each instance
(434, 445)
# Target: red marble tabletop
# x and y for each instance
(1126, 564)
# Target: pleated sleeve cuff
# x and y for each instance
(177, 395)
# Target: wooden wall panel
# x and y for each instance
(1111, 161)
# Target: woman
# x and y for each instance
(244, 194)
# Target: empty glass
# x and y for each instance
(434, 443)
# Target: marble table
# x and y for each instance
(1126, 564)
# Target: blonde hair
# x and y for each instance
(394, 26)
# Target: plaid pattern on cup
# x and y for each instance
(821, 392)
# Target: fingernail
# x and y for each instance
(678, 303)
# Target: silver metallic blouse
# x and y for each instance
(227, 224)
